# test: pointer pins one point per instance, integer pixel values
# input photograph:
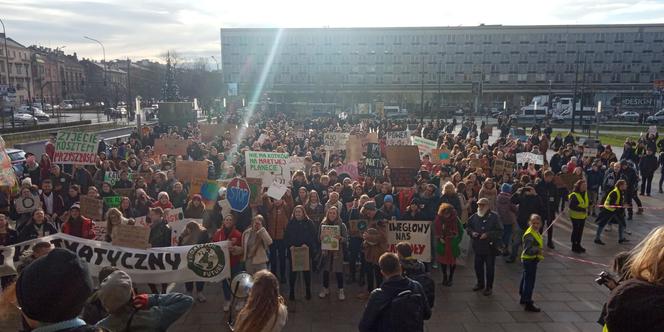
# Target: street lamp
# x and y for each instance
(103, 50)
(4, 34)
(599, 110)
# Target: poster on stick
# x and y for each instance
(91, 207)
(75, 148)
(418, 233)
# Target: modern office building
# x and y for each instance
(451, 65)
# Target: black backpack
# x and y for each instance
(404, 312)
(428, 285)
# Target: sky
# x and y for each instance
(145, 29)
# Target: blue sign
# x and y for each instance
(238, 194)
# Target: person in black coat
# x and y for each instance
(647, 165)
(529, 202)
(485, 231)
(36, 227)
(628, 173)
(548, 194)
(378, 313)
(160, 236)
(300, 231)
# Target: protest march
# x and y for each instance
(202, 203)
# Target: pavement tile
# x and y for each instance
(559, 327)
(483, 327)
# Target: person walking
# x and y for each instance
(647, 166)
(613, 211)
(400, 303)
(532, 254)
(578, 211)
(485, 230)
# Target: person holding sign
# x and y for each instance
(332, 260)
(194, 234)
(300, 232)
(255, 243)
(76, 225)
(113, 218)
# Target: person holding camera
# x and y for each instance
(613, 211)
(637, 304)
(621, 268)
(533, 253)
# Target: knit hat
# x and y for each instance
(115, 291)
(388, 198)
(506, 188)
(197, 196)
(370, 205)
(54, 287)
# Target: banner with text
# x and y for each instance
(397, 138)
(266, 165)
(203, 262)
(75, 148)
(418, 233)
(425, 146)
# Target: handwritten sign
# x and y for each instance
(393, 138)
(300, 259)
(418, 233)
(425, 146)
(131, 236)
(265, 165)
(501, 167)
(335, 141)
(353, 149)
(112, 201)
(529, 157)
(187, 170)
(27, 204)
(255, 187)
(238, 194)
(112, 177)
(277, 190)
(403, 156)
(75, 148)
(171, 146)
(91, 207)
(329, 237)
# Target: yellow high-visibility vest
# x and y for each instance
(583, 204)
(607, 203)
(538, 239)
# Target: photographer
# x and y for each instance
(620, 268)
(637, 304)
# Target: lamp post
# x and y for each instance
(4, 34)
(599, 110)
(103, 50)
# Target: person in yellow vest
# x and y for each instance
(533, 253)
(578, 211)
(613, 211)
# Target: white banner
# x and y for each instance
(418, 233)
(266, 165)
(204, 262)
(529, 157)
(425, 146)
(335, 141)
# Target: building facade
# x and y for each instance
(46, 75)
(442, 66)
(19, 70)
(105, 82)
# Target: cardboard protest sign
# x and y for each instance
(125, 192)
(173, 215)
(296, 163)
(403, 177)
(353, 149)
(171, 146)
(329, 237)
(265, 165)
(373, 167)
(237, 194)
(403, 156)
(425, 146)
(100, 230)
(369, 138)
(350, 169)
(187, 170)
(203, 262)
(112, 201)
(7, 175)
(393, 138)
(300, 259)
(440, 156)
(501, 167)
(418, 233)
(255, 188)
(75, 148)
(277, 190)
(568, 180)
(27, 204)
(131, 236)
(112, 177)
(335, 141)
(357, 227)
(141, 221)
(91, 207)
(178, 226)
(529, 157)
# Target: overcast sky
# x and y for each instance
(144, 29)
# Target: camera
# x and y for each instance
(603, 278)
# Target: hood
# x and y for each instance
(504, 198)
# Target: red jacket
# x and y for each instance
(236, 240)
(87, 230)
(157, 203)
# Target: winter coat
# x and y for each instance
(635, 306)
(257, 254)
(30, 232)
(160, 234)
(277, 217)
(333, 260)
(488, 224)
(454, 201)
(376, 244)
(489, 194)
(236, 240)
(505, 209)
(528, 204)
(87, 228)
(648, 164)
(163, 311)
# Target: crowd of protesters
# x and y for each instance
(506, 212)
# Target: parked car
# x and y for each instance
(23, 118)
(18, 158)
(628, 116)
(123, 111)
(36, 112)
(657, 118)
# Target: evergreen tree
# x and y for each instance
(170, 90)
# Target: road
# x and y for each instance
(37, 147)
